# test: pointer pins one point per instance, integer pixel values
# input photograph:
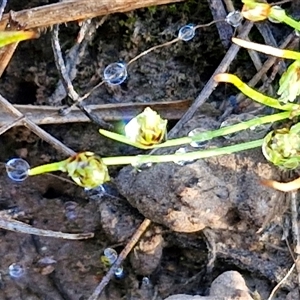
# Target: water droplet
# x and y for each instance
(141, 166)
(186, 33)
(99, 191)
(70, 210)
(234, 18)
(145, 281)
(198, 144)
(182, 162)
(275, 20)
(111, 254)
(17, 169)
(16, 270)
(115, 73)
(255, 132)
(119, 273)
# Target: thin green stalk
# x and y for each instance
(142, 159)
(280, 15)
(52, 167)
(204, 136)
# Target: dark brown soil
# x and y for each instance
(205, 215)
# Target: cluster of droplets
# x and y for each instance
(111, 256)
(17, 169)
(197, 142)
(116, 73)
(254, 132)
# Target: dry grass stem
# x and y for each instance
(77, 10)
(17, 226)
(105, 280)
(171, 110)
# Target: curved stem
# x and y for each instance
(253, 94)
(52, 167)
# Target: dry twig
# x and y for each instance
(171, 110)
(281, 282)
(36, 129)
(17, 226)
(105, 280)
(74, 10)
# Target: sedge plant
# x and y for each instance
(148, 129)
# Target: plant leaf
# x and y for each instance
(9, 37)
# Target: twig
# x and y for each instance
(75, 54)
(105, 280)
(75, 10)
(67, 83)
(17, 226)
(8, 125)
(171, 110)
(229, 5)
(211, 84)
(60, 65)
(281, 282)
(218, 12)
(2, 7)
(36, 129)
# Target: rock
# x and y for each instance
(216, 192)
(228, 286)
(184, 198)
(146, 256)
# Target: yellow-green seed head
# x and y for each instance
(87, 170)
(255, 11)
(282, 148)
(290, 83)
(147, 128)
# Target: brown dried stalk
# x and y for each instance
(74, 10)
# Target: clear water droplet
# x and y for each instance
(111, 254)
(140, 167)
(99, 190)
(115, 73)
(145, 281)
(182, 162)
(119, 273)
(17, 169)
(70, 210)
(276, 7)
(198, 144)
(16, 270)
(255, 132)
(234, 18)
(186, 33)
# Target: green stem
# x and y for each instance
(280, 15)
(204, 136)
(142, 159)
(52, 167)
